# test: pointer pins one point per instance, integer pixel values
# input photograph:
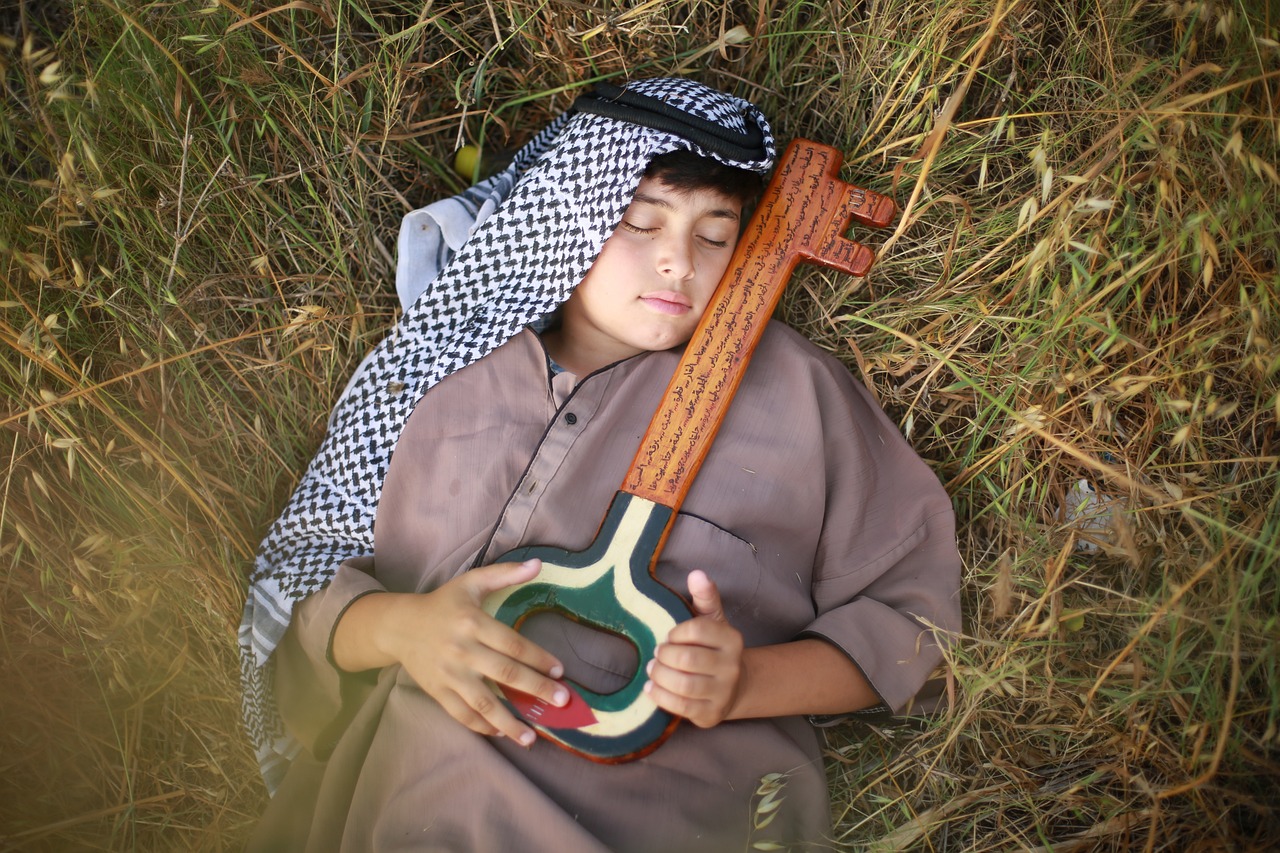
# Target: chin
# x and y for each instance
(658, 343)
(672, 337)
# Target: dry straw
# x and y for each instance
(1076, 324)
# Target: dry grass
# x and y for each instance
(195, 247)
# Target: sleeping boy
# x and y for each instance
(544, 319)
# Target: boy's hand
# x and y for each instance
(450, 646)
(697, 672)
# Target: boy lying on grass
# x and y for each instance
(816, 548)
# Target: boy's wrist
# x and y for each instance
(396, 625)
(741, 706)
(365, 636)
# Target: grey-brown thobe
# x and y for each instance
(811, 513)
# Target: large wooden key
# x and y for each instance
(610, 585)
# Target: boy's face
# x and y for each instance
(655, 275)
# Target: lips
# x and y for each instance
(667, 302)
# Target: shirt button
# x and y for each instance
(571, 419)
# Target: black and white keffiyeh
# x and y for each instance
(507, 253)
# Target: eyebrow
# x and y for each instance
(715, 213)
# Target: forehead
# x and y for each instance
(653, 193)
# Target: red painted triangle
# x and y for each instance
(576, 715)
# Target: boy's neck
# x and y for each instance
(567, 352)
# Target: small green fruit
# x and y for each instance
(466, 160)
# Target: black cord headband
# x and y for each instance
(623, 105)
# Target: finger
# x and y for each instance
(506, 672)
(485, 705)
(487, 579)
(470, 700)
(693, 710)
(689, 685)
(456, 707)
(696, 660)
(706, 631)
(509, 643)
(705, 596)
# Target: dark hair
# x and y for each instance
(685, 170)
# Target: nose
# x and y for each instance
(674, 257)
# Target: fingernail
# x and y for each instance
(531, 563)
(557, 670)
(526, 739)
(648, 670)
(648, 687)
(560, 697)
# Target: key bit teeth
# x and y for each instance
(841, 253)
(862, 261)
(871, 208)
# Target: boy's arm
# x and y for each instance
(808, 676)
(868, 651)
(704, 674)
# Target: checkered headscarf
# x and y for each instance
(558, 202)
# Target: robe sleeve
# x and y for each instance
(315, 698)
(887, 572)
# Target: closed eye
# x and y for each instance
(636, 229)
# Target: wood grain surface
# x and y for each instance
(802, 216)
